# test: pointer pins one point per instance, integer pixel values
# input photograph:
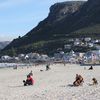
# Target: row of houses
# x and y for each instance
(82, 42)
(71, 57)
(30, 57)
(77, 57)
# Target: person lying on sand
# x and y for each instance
(79, 80)
(29, 81)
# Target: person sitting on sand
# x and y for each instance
(29, 81)
(79, 80)
(95, 82)
(91, 68)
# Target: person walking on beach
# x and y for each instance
(47, 67)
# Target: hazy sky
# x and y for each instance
(17, 17)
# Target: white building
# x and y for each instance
(6, 58)
(21, 56)
(90, 44)
(67, 46)
(44, 58)
(87, 39)
(32, 56)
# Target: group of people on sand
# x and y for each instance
(79, 81)
(30, 80)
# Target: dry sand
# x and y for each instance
(55, 84)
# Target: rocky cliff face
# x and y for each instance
(87, 16)
(61, 10)
(64, 20)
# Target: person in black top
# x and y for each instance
(91, 68)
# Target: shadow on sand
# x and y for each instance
(16, 86)
(69, 85)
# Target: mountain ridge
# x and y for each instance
(45, 24)
(3, 44)
(64, 21)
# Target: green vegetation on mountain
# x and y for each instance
(65, 20)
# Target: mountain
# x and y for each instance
(4, 44)
(66, 20)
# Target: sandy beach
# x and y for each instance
(55, 84)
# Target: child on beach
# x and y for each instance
(29, 81)
(95, 82)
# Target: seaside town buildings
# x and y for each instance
(62, 56)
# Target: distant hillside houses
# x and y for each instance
(83, 42)
(66, 57)
(92, 56)
(61, 54)
(78, 57)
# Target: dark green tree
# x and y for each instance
(13, 52)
